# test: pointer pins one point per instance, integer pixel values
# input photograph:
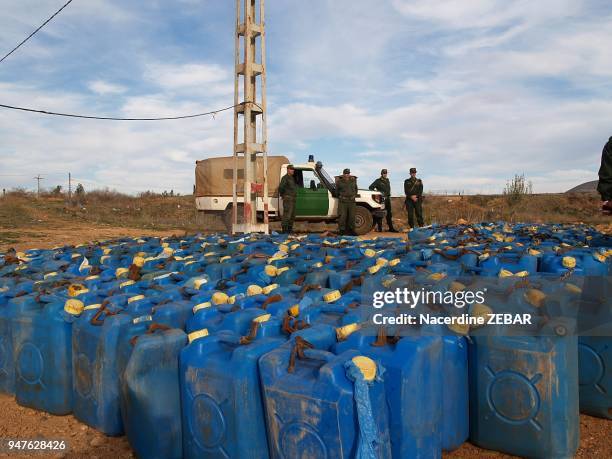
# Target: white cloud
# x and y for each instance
(104, 88)
(212, 79)
(485, 13)
(469, 92)
(129, 156)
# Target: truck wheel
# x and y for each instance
(227, 217)
(363, 220)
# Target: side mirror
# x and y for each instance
(313, 185)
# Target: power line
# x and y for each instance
(36, 31)
(110, 118)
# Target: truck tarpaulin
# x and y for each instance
(214, 176)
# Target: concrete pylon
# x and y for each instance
(249, 118)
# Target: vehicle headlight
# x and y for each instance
(378, 198)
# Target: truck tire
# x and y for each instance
(363, 220)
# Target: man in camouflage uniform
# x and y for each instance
(383, 185)
(605, 177)
(346, 187)
(287, 190)
(413, 188)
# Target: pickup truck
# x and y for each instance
(316, 197)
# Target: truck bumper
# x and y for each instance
(379, 213)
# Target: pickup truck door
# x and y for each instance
(312, 195)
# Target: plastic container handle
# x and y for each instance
(300, 350)
(151, 330)
(95, 320)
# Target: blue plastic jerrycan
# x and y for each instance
(513, 262)
(174, 314)
(458, 260)
(455, 392)
(331, 307)
(95, 338)
(237, 321)
(136, 327)
(203, 313)
(43, 353)
(289, 276)
(339, 279)
(330, 314)
(524, 395)
(150, 401)
(319, 277)
(412, 381)
(223, 413)
(259, 274)
(580, 263)
(313, 406)
(7, 361)
(139, 305)
(454, 389)
(595, 367)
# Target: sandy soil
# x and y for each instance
(83, 442)
(28, 238)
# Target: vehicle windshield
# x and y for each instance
(326, 178)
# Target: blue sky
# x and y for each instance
(469, 92)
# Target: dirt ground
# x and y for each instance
(22, 423)
(84, 442)
(46, 238)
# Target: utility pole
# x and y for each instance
(38, 178)
(69, 188)
(249, 114)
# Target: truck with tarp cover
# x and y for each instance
(316, 197)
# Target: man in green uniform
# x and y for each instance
(413, 188)
(287, 190)
(346, 187)
(605, 177)
(382, 185)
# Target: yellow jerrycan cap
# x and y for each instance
(332, 296)
(200, 306)
(268, 288)
(294, 310)
(569, 262)
(263, 318)
(197, 334)
(366, 365)
(219, 298)
(535, 297)
(138, 261)
(344, 332)
(253, 290)
(76, 290)
(74, 307)
(460, 329)
(572, 288)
